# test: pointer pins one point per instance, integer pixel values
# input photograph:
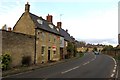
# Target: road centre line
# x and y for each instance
(84, 63)
(112, 75)
(113, 70)
(78, 66)
(70, 69)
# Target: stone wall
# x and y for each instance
(17, 45)
(112, 53)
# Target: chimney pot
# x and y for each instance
(9, 29)
(27, 7)
(59, 24)
(49, 18)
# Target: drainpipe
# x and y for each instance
(35, 46)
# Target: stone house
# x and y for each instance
(47, 37)
(67, 38)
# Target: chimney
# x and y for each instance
(59, 24)
(67, 30)
(27, 7)
(9, 29)
(4, 27)
(49, 18)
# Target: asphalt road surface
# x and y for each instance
(89, 66)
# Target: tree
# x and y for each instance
(75, 50)
(70, 49)
(108, 48)
(87, 50)
(95, 49)
(81, 44)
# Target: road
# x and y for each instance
(89, 66)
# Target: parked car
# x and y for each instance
(96, 53)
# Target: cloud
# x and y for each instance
(10, 13)
(90, 1)
(95, 26)
(109, 41)
(72, 1)
(99, 26)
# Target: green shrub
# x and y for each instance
(26, 60)
(81, 54)
(117, 57)
(6, 60)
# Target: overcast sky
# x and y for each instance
(93, 21)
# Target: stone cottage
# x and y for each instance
(67, 38)
(35, 37)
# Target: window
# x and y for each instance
(57, 29)
(49, 37)
(42, 50)
(60, 41)
(66, 44)
(54, 52)
(54, 38)
(39, 21)
(51, 26)
(43, 36)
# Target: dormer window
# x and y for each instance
(57, 29)
(39, 21)
(51, 26)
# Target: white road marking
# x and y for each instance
(112, 75)
(70, 70)
(76, 67)
(113, 70)
(79, 65)
(86, 63)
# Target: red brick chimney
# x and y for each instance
(59, 25)
(49, 18)
(9, 29)
(27, 7)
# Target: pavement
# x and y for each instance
(20, 70)
(88, 66)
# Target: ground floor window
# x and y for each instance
(42, 50)
(54, 52)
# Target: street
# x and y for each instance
(88, 66)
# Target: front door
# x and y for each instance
(48, 55)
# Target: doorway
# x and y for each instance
(48, 55)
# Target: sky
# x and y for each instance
(92, 21)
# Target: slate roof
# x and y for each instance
(44, 25)
(66, 35)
